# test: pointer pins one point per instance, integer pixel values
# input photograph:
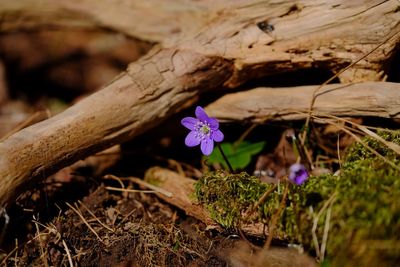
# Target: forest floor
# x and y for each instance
(77, 217)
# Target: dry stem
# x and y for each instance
(68, 254)
(275, 217)
(310, 110)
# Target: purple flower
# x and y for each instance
(298, 173)
(203, 131)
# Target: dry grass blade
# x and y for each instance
(94, 217)
(329, 202)
(326, 231)
(358, 139)
(85, 222)
(68, 254)
(4, 261)
(338, 151)
(373, 151)
(350, 131)
(42, 253)
(150, 186)
(314, 235)
(129, 190)
(113, 177)
(264, 197)
(274, 219)
(366, 129)
(303, 137)
(391, 145)
(16, 253)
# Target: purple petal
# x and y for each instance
(189, 122)
(207, 146)
(295, 168)
(191, 139)
(214, 124)
(301, 177)
(217, 136)
(298, 173)
(201, 114)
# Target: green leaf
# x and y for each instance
(239, 156)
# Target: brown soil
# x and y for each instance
(134, 229)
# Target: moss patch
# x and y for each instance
(362, 202)
(228, 196)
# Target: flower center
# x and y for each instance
(205, 129)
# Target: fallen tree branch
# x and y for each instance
(377, 99)
(151, 90)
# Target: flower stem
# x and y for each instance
(225, 158)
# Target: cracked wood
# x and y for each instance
(375, 99)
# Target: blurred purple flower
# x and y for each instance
(298, 173)
(203, 131)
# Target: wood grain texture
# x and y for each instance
(377, 99)
(148, 92)
(302, 34)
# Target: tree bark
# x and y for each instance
(151, 90)
(260, 37)
(203, 45)
(373, 99)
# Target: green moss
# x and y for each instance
(358, 152)
(228, 196)
(365, 208)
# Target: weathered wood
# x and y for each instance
(260, 37)
(377, 99)
(204, 45)
(181, 188)
(151, 89)
(3, 85)
(154, 20)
